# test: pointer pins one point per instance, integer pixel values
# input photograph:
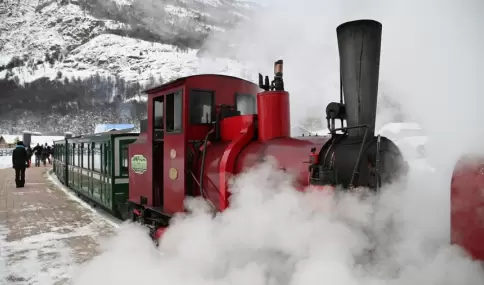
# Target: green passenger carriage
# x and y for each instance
(96, 168)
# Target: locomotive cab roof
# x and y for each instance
(190, 104)
(181, 80)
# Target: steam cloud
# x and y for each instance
(272, 234)
(275, 235)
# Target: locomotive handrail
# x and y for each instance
(202, 167)
(357, 163)
(206, 194)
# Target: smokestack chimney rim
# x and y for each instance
(358, 23)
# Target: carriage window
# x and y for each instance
(124, 159)
(246, 104)
(201, 105)
(158, 118)
(174, 112)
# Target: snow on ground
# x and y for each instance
(47, 240)
(5, 161)
(39, 259)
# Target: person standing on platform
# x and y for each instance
(37, 152)
(20, 160)
(29, 155)
(45, 154)
(49, 153)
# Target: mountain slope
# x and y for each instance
(101, 53)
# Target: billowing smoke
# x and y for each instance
(274, 235)
(430, 62)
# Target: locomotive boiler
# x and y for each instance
(202, 129)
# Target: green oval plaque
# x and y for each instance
(139, 164)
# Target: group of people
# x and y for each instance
(22, 157)
(42, 154)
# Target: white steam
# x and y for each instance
(272, 234)
(431, 62)
(275, 235)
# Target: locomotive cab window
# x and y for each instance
(245, 104)
(174, 112)
(201, 106)
(158, 118)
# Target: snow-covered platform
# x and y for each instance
(44, 233)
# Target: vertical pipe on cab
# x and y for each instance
(359, 44)
(273, 111)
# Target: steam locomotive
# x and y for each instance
(202, 129)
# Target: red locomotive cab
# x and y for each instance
(183, 124)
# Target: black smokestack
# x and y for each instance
(359, 45)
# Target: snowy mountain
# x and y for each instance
(87, 60)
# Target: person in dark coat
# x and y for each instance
(45, 154)
(37, 152)
(20, 160)
(29, 154)
(49, 153)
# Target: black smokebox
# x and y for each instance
(359, 44)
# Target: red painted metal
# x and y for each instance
(140, 184)
(274, 115)
(159, 232)
(174, 153)
(239, 146)
(467, 206)
(291, 154)
(227, 162)
(232, 127)
(225, 89)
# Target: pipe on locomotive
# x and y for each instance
(273, 107)
(359, 44)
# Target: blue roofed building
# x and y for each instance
(102, 128)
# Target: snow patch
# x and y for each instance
(5, 162)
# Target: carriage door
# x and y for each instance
(174, 153)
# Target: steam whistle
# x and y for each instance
(278, 83)
(264, 85)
